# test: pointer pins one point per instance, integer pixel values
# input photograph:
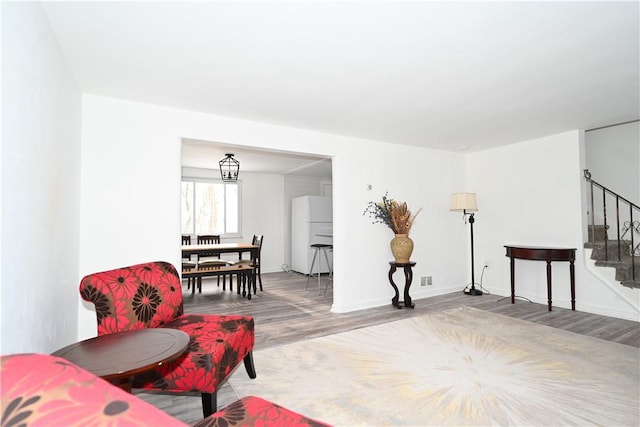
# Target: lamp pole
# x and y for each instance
(472, 290)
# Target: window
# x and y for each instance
(210, 207)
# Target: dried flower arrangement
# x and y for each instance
(395, 215)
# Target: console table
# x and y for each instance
(408, 278)
(544, 254)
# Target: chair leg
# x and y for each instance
(244, 286)
(209, 403)
(249, 366)
(326, 257)
(254, 279)
(311, 269)
(259, 278)
(320, 267)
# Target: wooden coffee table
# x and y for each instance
(119, 357)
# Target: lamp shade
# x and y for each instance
(463, 202)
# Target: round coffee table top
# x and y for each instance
(125, 354)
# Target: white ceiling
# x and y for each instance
(446, 75)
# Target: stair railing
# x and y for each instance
(632, 227)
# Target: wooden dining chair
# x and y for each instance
(257, 240)
(208, 239)
(187, 264)
(207, 259)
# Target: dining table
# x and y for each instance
(221, 248)
(224, 248)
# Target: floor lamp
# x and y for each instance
(466, 202)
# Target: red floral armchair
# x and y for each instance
(149, 295)
(48, 391)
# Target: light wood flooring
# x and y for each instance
(285, 313)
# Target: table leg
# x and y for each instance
(513, 281)
(572, 275)
(395, 299)
(123, 383)
(408, 278)
(549, 285)
(252, 284)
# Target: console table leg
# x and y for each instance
(549, 285)
(572, 275)
(513, 281)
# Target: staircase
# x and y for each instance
(606, 255)
(623, 251)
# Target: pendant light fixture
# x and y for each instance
(229, 168)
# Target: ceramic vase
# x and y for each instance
(402, 248)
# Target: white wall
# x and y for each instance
(530, 193)
(131, 159)
(262, 213)
(41, 112)
(423, 178)
(613, 158)
(131, 186)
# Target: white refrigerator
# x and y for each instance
(311, 222)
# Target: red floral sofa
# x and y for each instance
(48, 391)
(149, 295)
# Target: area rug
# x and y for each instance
(458, 367)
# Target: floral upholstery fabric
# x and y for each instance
(149, 295)
(254, 411)
(48, 391)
